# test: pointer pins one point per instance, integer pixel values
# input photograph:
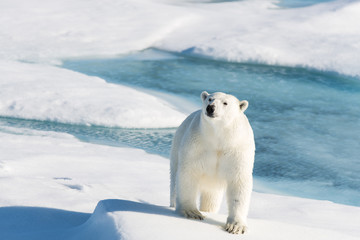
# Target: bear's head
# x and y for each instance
(221, 106)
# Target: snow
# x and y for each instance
(53, 186)
(35, 91)
(48, 31)
(323, 36)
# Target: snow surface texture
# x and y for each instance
(67, 178)
(50, 182)
(34, 91)
(325, 36)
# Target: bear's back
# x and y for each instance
(189, 126)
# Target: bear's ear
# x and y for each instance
(243, 105)
(204, 95)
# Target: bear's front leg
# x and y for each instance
(187, 190)
(238, 197)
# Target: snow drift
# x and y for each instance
(323, 36)
(130, 220)
(62, 180)
(35, 91)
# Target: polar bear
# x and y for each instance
(212, 153)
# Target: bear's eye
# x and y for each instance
(211, 99)
(225, 103)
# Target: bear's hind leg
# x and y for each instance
(210, 201)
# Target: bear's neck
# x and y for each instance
(219, 128)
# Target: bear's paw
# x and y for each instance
(235, 228)
(194, 213)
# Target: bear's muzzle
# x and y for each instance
(210, 109)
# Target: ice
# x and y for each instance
(323, 36)
(124, 195)
(52, 182)
(47, 31)
(154, 219)
(35, 91)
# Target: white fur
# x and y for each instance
(211, 156)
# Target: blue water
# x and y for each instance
(299, 3)
(306, 122)
(151, 140)
(281, 3)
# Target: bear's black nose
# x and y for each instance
(210, 109)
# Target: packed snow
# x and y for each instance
(54, 186)
(323, 36)
(35, 91)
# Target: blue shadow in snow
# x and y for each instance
(115, 205)
(18, 223)
(37, 222)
